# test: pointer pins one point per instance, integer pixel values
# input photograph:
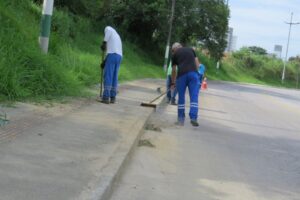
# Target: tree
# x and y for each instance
(89, 8)
(257, 50)
(143, 20)
(146, 22)
(295, 59)
(205, 21)
(213, 26)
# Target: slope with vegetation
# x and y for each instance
(76, 33)
(74, 54)
(253, 65)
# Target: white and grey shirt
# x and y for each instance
(113, 41)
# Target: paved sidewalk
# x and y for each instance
(71, 151)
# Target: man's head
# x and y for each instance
(176, 46)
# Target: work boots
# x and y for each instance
(194, 123)
(103, 100)
(107, 101)
(113, 100)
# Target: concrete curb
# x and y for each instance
(113, 170)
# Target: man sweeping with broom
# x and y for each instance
(186, 76)
(112, 44)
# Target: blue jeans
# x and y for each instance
(190, 80)
(170, 96)
(111, 70)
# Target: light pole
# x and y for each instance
(169, 35)
(298, 76)
(287, 47)
(46, 25)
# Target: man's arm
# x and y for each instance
(103, 46)
(197, 63)
(107, 35)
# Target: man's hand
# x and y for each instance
(103, 64)
(103, 46)
(172, 86)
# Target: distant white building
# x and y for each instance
(231, 41)
(234, 43)
(278, 51)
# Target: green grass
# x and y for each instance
(254, 69)
(72, 64)
(137, 65)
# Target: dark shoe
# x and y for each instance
(173, 103)
(179, 123)
(194, 123)
(112, 100)
(106, 101)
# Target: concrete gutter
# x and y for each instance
(113, 170)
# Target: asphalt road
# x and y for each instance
(246, 148)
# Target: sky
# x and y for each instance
(262, 23)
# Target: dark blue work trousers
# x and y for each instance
(111, 70)
(190, 80)
(171, 95)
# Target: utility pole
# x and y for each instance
(169, 35)
(297, 85)
(46, 25)
(287, 47)
(218, 63)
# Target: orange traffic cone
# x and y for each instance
(204, 84)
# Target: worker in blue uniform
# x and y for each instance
(186, 76)
(171, 93)
(201, 72)
(113, 45)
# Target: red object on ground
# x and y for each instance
(204, 85)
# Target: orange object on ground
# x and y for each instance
(204, 84)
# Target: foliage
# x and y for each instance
(143, 20)
(73, 60)
(87, 8)
(212, 26)
(257, 50)
(24, 70)
(147, 22)
(295, 59)
(246, 66)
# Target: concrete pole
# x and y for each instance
(287, 48)
(46, 25)
(298, 77)
(169, 35)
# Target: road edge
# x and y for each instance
(114, 169)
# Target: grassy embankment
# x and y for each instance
(247, 67)
(72, 64)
